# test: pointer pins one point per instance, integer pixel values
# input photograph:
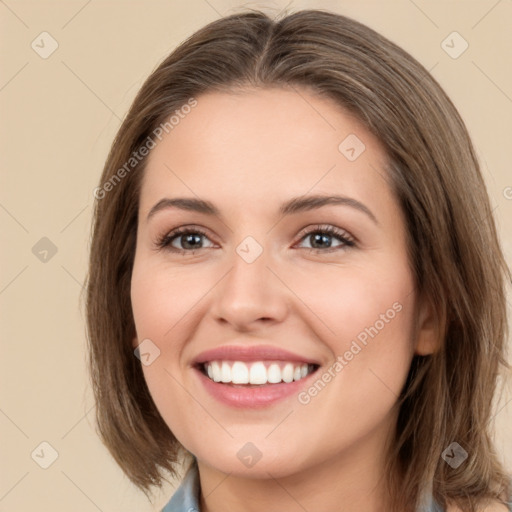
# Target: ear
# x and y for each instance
(135, 343)
(428, 332)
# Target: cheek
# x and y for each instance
(367, 323)
(165, 304)
(162, 298)
(366, 318)
(354, 302)
(378, 311)
(157, 308)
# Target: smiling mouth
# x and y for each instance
(255, 373)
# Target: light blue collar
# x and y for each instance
(186, 497)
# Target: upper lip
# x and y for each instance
(250, 353)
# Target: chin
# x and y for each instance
(250, 462)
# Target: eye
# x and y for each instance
(321, 238)
(189, 239)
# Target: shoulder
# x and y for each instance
(495, 506)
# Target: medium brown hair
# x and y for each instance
(453, 246)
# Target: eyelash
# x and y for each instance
(164, 242)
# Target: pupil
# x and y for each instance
(189, 237)
(322, 239)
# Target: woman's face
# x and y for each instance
(263, 272)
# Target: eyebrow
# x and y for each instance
(290, 207)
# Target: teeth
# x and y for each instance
(274, 374)
(216, 371)
(288, 372)
(239, 373)
(259, 373)
(225, 372)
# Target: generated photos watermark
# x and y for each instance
(145, 148)
(305, 397)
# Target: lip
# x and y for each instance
(251, 353)
(245, 397)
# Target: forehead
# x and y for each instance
(264, 144)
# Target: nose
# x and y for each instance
(250, 294)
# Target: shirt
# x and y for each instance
(186, 497)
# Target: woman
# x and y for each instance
(355, 372)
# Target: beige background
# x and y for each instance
(58, 118)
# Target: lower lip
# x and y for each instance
(252, 397)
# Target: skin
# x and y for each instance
(248, 152)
